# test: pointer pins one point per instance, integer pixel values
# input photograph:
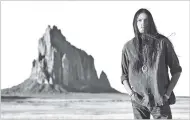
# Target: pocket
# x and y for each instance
(138, 98)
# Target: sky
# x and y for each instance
(100, 28)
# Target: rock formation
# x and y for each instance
(61, 67)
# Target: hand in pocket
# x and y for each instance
(137, 98)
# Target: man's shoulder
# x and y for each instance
(128, 44)
(164, 39)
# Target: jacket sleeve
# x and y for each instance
(124, 65)
(172, 59)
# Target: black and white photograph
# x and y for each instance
(97, 60)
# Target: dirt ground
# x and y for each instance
(79, 106)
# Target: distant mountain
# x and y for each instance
(61, 68)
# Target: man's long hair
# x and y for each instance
(137, 41)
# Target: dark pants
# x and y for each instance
(158, 112)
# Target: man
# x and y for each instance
(145, 62)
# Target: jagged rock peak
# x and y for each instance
(61, 67)
(54, 29)
(102, 74)
(104, 79)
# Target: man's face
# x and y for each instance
(142, 23)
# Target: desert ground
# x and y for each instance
(78, 106)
